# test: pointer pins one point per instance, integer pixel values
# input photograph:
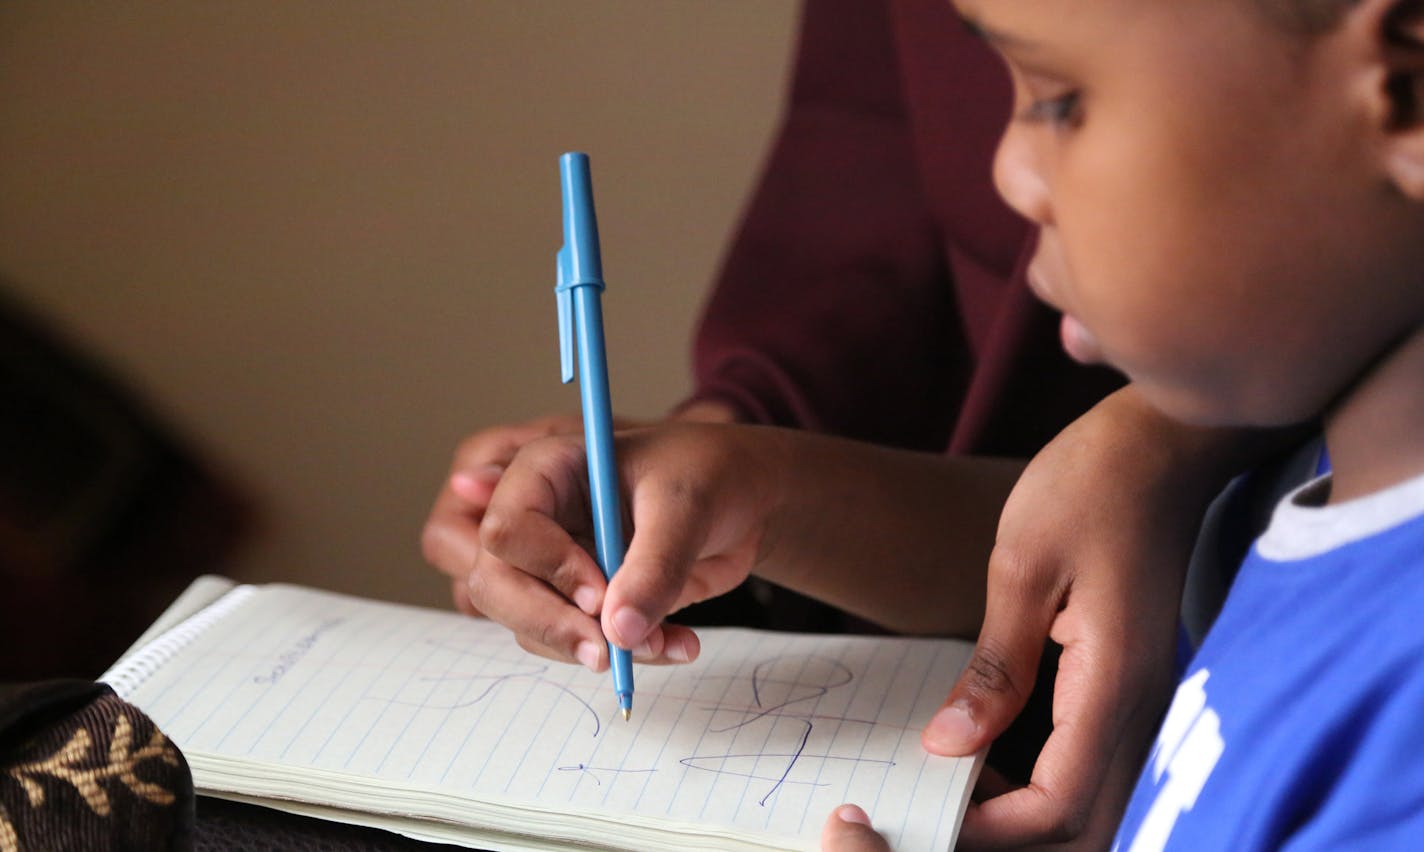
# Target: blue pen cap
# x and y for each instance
(580, 224)
(580, 263)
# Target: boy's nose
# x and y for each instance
(1018, 178)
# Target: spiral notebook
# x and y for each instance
(440, 727)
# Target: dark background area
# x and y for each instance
(105, 515)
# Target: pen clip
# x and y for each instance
(580, 263)
(564, 296)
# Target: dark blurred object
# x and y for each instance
(105, 516)
(224, 825)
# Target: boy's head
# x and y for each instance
(1230, 193)
(1304, 16)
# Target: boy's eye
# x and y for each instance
(1063, 110)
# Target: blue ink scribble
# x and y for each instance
(591, 771)
(522, 669)
(782, 706)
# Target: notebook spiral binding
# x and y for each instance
(129, 674)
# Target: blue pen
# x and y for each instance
(579, 294)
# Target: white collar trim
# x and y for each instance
(1299, 530)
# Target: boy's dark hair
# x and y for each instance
(1304, 16)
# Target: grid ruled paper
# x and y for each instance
(766, 732)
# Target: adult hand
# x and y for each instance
(1091, 552)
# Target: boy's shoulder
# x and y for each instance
(1345, 579)
(1293, 716)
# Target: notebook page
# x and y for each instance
(763, 736)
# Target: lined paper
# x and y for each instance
(326, 698)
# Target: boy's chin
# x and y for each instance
(1080, 344)
(1195, 408)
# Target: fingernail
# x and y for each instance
(952, 729)
(463, 484)
(852, 813)
(586, 598)
(644, 651)
(676, 652)
(588, 654)
(631, 625)
(474, 485)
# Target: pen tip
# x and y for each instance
(626, 713)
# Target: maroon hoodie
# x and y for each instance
(876, 289)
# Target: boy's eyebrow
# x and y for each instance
(994, 37)
(972, 25)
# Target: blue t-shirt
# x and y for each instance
(1300, 722)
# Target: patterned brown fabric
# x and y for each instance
(81, 769)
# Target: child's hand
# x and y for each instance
(1091, 552)
(698, 497)
(451, 537)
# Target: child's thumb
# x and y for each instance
(848, 830)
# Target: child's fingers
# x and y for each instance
(544, 622)
(669, 529)
(848, 829)
(523, 525)
(659, 649)
(679, 644)
(539, 547)
(460, 596)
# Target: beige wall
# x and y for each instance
(319, 236)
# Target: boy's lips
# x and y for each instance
(1077, 341)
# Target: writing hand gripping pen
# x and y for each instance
(579, 295)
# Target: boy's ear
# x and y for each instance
(1398, 33)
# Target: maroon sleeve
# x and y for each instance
(833, 310)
